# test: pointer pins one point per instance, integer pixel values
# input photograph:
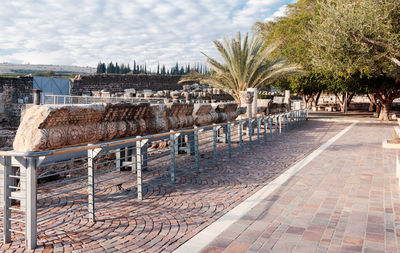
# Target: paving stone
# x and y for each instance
(345, 200)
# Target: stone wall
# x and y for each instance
(118, 83)
(14, 93)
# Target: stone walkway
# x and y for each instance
(345, 200)
(169, 216)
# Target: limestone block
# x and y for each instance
(96, 93)
(46, 127)
(179, 115)
(241, 110)
(105, 94)
(186, 95)
(262, 110)
(157, 123)
(203, 114)
(226, 112)
(175, 95)
(167, 93)
(148, 94)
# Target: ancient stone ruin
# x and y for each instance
(45, 127)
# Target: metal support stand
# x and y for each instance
(270, 126)
(265, 128)
(140, 164)
(228, 135)
(5, 166)
(173, 139)
(31, 215)
(280, 124)
(92, 153)
(196, 150)
(215, 131)
(250, 131)
(241, 136)
(258, 130)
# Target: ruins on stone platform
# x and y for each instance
(45, 127)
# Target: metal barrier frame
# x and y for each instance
(28, 162)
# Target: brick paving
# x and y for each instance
(169, 216)
(345, 200)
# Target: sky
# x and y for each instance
(84, 32)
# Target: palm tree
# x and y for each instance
(246, 64)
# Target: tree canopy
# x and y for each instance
(349, 36)
(353, 38)
(246, 64)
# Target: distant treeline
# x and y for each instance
(142, 69)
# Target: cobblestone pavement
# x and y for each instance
(169, 216)
(345, 200)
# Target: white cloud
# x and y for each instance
(84, 32)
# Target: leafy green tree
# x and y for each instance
(289, 32)
(309, 86)
(246, 64)
(363, 36)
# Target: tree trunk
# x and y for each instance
(317, 98)
(372, 103)
(349, 98)
(384, 113)
(344, 101)
(305, 100)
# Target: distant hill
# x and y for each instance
(11, 68)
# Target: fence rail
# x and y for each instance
(46, 190)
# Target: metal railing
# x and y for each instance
(48, 189)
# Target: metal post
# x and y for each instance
(173, 148)
(258, 130)
(298, 118)
(250, 132)
(118, 159)
(228, 135)
(31, 199)
(91, 182)
(265, 128)
(139, 166)
(5, 165)
(215, 129)
(280, 124)
(241, 136)
(196, 151)
(293, 120)
(284, 122)
(288, 121)
(270, 126)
